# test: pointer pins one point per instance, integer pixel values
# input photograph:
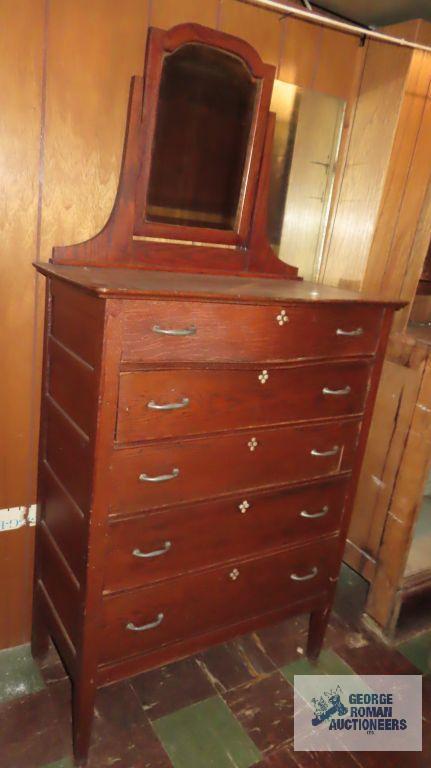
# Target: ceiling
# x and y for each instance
(378, 12)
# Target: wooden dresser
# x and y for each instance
(201, 434)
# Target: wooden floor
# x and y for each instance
(230, 707)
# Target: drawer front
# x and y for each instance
(162, 544)
(177, 402)
(163, 473)
(164, 331)
(171, 611)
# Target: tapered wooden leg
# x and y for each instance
(316, 632)
(83, 696)
(39, 631)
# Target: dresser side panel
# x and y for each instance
(69, 418)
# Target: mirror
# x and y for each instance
(306, 144)
(201, 141)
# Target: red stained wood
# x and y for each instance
(215, 400)
(65, 523)
(68, 454)
(58, 582)
(216, 531)
(133, 665)
(159, 43)
(245, 248)
(77, 322)
(241, 439)
(226, 332)
(72, 386)
(216, 465)
(129, 283)
(262, 585)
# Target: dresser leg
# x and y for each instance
(316, 632)
(39, 632)
(83, 696)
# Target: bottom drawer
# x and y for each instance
(139, 621)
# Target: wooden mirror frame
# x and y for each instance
(127, 240)
(161, 44)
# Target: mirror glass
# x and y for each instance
(201, 140)
(306, 143)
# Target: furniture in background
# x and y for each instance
(204, 411)
(388, 531)
(393, 488)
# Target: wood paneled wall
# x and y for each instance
(378, 239)
(66, 69)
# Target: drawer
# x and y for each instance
(162, 544)
(164, 473)
(176, 402)
(171, 611)
(167, 331)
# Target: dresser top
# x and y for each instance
(142, 283)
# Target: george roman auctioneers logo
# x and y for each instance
(368, 713)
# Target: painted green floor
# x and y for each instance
(206, 735)
(228, 707)
(19, 675)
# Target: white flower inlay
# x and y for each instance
(282, 317)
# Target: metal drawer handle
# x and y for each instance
(356, 332)
(331, 452)
(169, 406)
(144, 627)
(158, 478)
(313, 515)
(175, 331)
(307, 577)
(156, 553)
(327, 391)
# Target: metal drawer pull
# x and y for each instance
(169, 406)
(158, 478)
(175, 331)
(307, 577)
(356, 332)
(313, 515)
(166, 547)
(151, 625)
(331, 452)
(346, 391)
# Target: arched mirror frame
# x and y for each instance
(128, 241)
(160, 45)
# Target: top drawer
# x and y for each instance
(174, 331)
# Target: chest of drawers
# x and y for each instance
(204, 411)
(194, 447)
